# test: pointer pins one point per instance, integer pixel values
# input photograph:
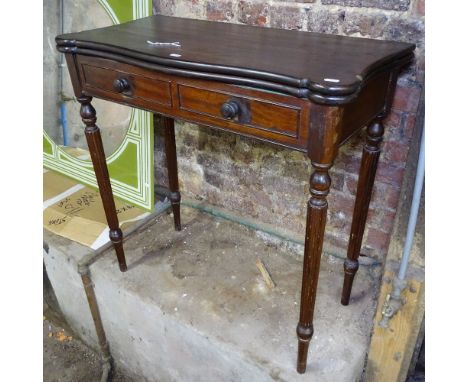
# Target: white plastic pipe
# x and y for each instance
(418, 185)
(394, 301)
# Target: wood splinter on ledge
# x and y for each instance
(266, 275)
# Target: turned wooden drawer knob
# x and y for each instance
(230, 109)
(121, 85)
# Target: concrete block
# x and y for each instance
(194, 307)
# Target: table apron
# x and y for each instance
(272, 117)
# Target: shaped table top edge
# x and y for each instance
(330, 94)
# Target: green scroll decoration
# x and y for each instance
(131, 165)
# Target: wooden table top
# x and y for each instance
(326, 66)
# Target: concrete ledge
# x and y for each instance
(193, 306)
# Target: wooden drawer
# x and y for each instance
(125, 85)
(257, 115)
(269, 116)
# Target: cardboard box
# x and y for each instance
(76, 212)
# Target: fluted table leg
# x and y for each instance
(369, 162)
(315, 229)
(172, 173)
(93, 137)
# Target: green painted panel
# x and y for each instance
(47, 146)
(123, 9)
(131, 165)
(125, 167)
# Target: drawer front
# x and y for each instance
(258, 115)
(268, 116)
(130, 86)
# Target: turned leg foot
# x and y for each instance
(315, 229)
(369, 162)
(96, 150)
(171, 160)
(350, 269)
(304, 335)
(116, 237)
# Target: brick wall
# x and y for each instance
(271, 184)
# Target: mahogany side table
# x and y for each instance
(305, 91)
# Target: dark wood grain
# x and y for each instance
(171, 163)
(93, 137)
(315, 228)
(275, 118)
(267, 84)
(370, 103)
(146, 88)
(369, 162)
(278, 119)
(326, 122)
(300, 60)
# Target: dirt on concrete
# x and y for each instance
(67, 359)
(193, 306)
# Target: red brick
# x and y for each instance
(419, 8)
(381, 220)
(349, 163)
(286, 17)
(341, 203)
(257, 193)
(351, 185)
(368, 25)
(407, 29)
(406, 99)
(325, 21)
(392, 197)
(393, 119)
(421, 64)
(337, 239)
(379, 192)
(390, 174)
(403, 132)
(165, 7)
(396, 5)
(395, 152)
(378, 195)
(408, 126)
(337, 181)
(261, 198)
(296, 1)
(377, 240)
(290, 224)
(373, 217)
(355, 144)
(338, 220)
(219, 10)
(253, 13)
(393, 133)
